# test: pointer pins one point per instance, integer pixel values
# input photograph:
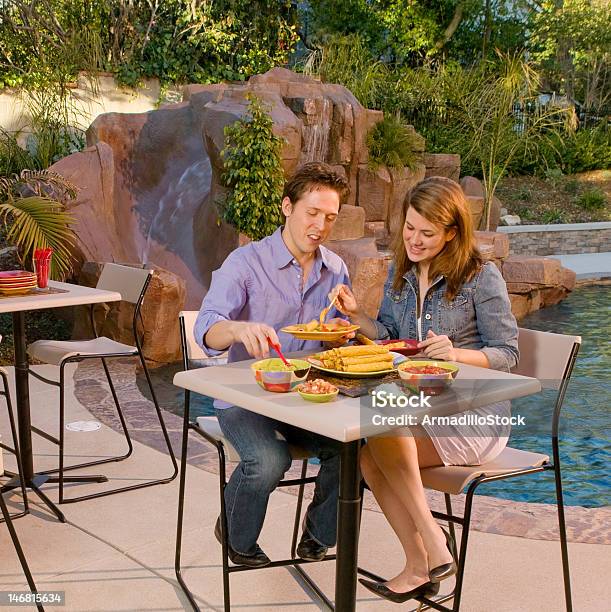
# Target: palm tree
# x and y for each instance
(33, 209)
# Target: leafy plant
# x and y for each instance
(481, 103)
(253, 173)
(552, 216)
(32, 207)
(391, 143)
(593, 199)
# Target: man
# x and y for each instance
(261, 287)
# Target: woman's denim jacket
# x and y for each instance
(479, 317)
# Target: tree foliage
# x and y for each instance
(572, 44)
(32, 207)
(253, 173)
(173, 40)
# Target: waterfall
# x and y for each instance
(172, 223)
(316, 127)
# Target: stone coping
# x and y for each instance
(490, 514)
(555, 227)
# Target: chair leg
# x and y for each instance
(224, 530)
(566, 570)
(448, 500)
(18, 549)
(304, 471)
(134, 487)
(460, 573)
(77, 466)
(161, 420)
(11, 418)
(181, 508)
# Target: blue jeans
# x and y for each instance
(264, 461)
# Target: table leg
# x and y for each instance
(23, 395)
(348, 528)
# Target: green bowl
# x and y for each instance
(319, 398)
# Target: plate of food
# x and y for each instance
(314, 330)
(357, 361)
(404, 346)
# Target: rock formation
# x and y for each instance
(150, 183)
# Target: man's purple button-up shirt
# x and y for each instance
(262, 282)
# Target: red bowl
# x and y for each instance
(410, 348)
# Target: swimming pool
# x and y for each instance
(584, 423)
(584, 433)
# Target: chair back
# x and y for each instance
(546, 356)
(129, 282)
(190, 349)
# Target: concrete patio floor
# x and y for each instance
(117, 553)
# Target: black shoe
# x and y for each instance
(257, 559)
(445, 570)
(310, 549)
(427, 589)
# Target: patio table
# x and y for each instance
(348, 420)
(59, 295)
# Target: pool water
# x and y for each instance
(584, 422)
(584, 425)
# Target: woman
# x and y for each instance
(441, 292)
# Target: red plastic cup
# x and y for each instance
(41, 265)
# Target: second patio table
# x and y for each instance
(60, 295)
(348, 420)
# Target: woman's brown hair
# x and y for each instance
(441, 201)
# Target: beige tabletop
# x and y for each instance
(71, 295)
(347, 419)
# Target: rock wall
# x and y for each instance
(149, 182)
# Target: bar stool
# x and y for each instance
(132, 284)
(209, 429)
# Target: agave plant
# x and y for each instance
(33, 210)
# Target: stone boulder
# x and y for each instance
(442, 164)
(374, 192)
(350, 223)
(402, 181)
(368, 270)
(535, 282)
(473, 188)
(159, 331)
(495, 242)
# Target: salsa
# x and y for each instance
(425, 369)
(317, 387)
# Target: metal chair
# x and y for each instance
(549, 358)
(209, 429)
(132, 284)
(7, 517)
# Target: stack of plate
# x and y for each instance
(13, 282)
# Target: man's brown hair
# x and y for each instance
(313, 176)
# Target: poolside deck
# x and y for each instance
(117, 553)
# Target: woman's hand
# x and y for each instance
(438, 347)
(346, 302)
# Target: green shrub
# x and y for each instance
(391, 144)
(571, 186)
(586, 149)
(253, 173)
(593, 199)
(552, 216)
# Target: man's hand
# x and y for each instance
(254, 337)
(438, 347)
(340, 341)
